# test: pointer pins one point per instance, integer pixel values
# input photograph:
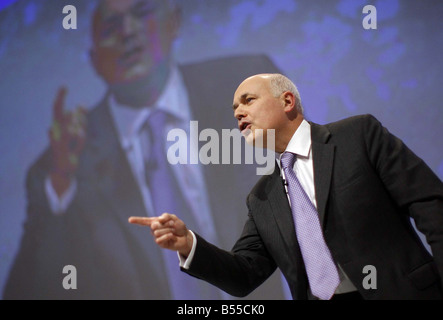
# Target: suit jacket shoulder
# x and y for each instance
(242, 64)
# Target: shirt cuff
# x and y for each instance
(59, 205)
(185, 263)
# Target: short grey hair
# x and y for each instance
(280, 83)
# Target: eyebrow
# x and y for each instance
(242, 97)
(112, 19)
(144, 6)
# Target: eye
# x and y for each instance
(111, 25)
(142, 10)
(249, 99)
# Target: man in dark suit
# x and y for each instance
(92, 171)
(364, 183)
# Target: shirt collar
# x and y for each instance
(301, 141)
(173, 100)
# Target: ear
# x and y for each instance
(289, 101)
(174, 21)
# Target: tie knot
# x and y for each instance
(157, 119)
(156, 123)
(287, 160)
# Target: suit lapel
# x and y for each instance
(280, 208)
(281, 211)
(323, 159)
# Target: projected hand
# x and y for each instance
(67, 138)
(169, 232)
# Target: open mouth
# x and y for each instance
(131, 57)
(244, 125)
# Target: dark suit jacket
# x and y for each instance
(368, 184)
(115, 260)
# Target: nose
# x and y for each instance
(129, 25)
(240, 112)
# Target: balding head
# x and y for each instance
(267, 101)
(279, 84)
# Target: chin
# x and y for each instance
(249, 140)
(249, 136)
(259, 139)
(136, 72)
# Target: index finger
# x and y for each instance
(59, 103)
(165, 217)
(142, 221)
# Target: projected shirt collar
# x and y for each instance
(173, 100)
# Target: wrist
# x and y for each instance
(60, 181)
(186, 250)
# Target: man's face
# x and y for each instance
(132, 38)
(255, 107)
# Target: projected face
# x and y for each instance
(132, 38)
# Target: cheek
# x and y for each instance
(154, 39)
(157, 39)
(107, 64)
(275, 118)
(267, 120)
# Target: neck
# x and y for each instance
(144, 91)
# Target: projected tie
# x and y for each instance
(165, 191)
(322, 273)
(166, 196)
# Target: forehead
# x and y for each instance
(122, 6)
(256, 85)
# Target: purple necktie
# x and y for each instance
(321, 270)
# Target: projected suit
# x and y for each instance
(113, 259)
